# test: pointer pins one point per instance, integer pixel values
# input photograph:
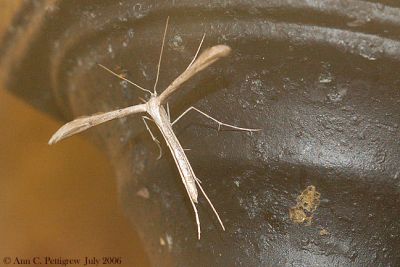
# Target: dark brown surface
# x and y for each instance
(319, 77)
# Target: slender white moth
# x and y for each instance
(154, 107)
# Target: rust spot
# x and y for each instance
(121, 71)
(144, 193)
(162, 241)
(307, 203)
(323, 232)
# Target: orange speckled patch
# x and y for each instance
(307, 202)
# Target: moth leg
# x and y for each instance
(192, 201)
(197, 217)
(144, 118)
(169, 115)
(142, 99)
(217, 121)
(209, 202)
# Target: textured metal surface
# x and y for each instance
(319, 77)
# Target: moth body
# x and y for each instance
(161, 119)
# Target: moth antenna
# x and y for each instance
(123, 78)
(197, 52)
(159, 60)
